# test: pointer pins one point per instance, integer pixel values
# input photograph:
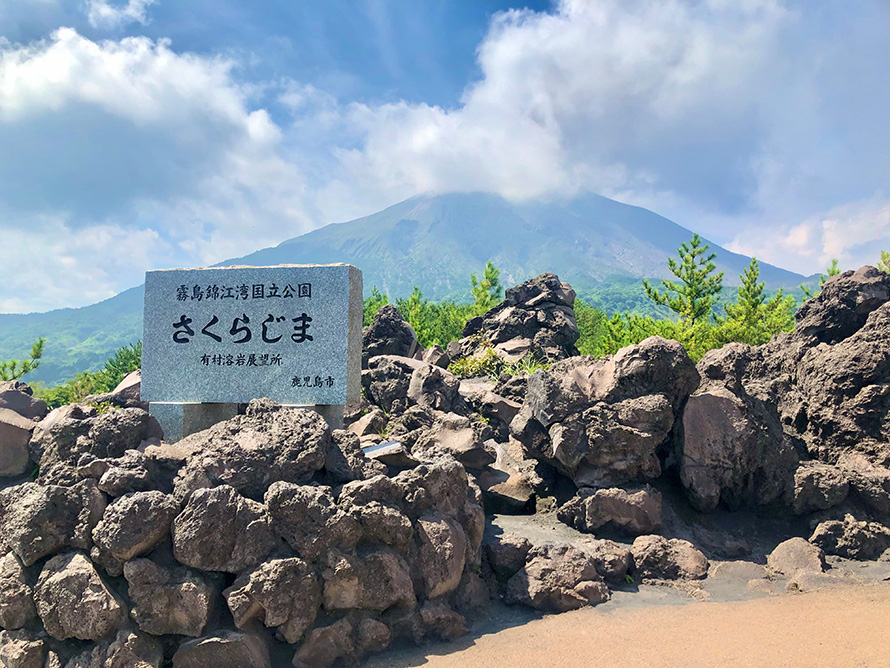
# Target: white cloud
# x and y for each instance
(854, 233)
(54, 265)
(130, 136)
(104, 14)
(719, 114)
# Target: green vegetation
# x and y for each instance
(15, 369)
(884, 262)
(434, 323)
(688, 310)
(753, 318)
(125, 360)
(373, 304)
(486, 293)
(694, 297)
(488, 363)
(591, 323)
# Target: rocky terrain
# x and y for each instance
(270, 539)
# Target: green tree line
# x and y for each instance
(701, 321)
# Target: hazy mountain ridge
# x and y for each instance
(434, 242)
(437, 241)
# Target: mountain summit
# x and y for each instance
(437, 241)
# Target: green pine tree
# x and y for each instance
(753, 319)
(15, 369)
(884, 262)
(698, 290)
(373, 304)
(487, 293)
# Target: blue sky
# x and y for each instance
(138, 134)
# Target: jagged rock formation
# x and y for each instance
(602, 422)
(535, 320)
(819, 393)
(337, 571)
(388, 334)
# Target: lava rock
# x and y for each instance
(17, 608)
(15, 434)
(557, 578)
(132, 649)
(71, 431)
(19, 398)
(851, 538)
(132, 525)
(635, 513)
(795, 554)
(388, 334)
(220, 530)
(169, 599)
(309, 520)
(73, 601)
(225, 649)
(817, 486)
(37, 521)
(658, 558)
(270, 443)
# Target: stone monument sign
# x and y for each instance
(228, 335)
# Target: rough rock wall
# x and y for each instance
(263, 531)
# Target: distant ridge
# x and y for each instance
(432, 241)
(437, 241)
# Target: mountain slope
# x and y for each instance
(434, 242)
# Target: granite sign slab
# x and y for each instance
(228, 335)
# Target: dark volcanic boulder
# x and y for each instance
(818, 486)
(851, 538)
(557, 578)
(132, 525)
(535, 320)
(635, 513)
(662, 559)
(15, 434)
(457, 436)
(169, 600)
(821, 390)
(22, 649)
(16, 599)
(37, 521)
(345, 460)
(225, 649)
(128, 648)
(734, 450)
(220, 530)
(388, 334)
(843, 306)
(602, 421)
(73, 601)
(18, 397)
(393, 383)
(795, 554)
(250, 452)
(308, 518)
(282, 593)
(127, 393)
(69, 432)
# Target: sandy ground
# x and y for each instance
(842, 626)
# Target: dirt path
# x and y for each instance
(844, 626)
